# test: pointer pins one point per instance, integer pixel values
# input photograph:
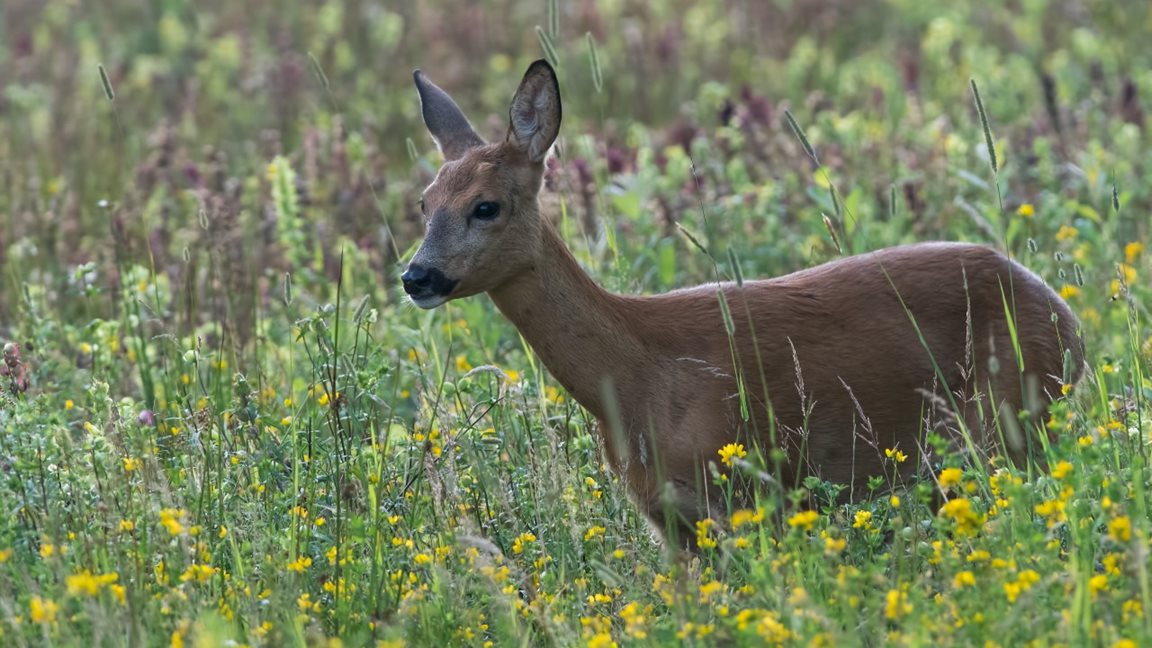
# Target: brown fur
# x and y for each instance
(659, 371)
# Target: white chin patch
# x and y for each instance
(429, 302)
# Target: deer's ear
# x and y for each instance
(444, 119)
(534, 117)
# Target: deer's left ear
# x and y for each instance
(444, 119)
(534, 117)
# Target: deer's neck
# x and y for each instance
(576, 327)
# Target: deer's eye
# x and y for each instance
(486, 210)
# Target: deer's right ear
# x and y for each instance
(444, 119)
(535, 112)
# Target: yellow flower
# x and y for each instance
(5, 554)
(634, 621)
(833, 546)
(1120, 529)
(170, 520)
(1027, 210)
(1024, 581)
(601, 640)
(130, 463)
(964, 579)
(198, 573)
(898, 456)
(1067, 233)
(462, 364)
(595, 531)
(896, 604)
(771, 630)
(1053, 511)
(68, 404)
(863, 520)
(704, 538)
(88, 583)
(521, 540)
(1132, 608)
(42, 610)
(894, 501)
(1132, 250)
(950, 477)
(730, 452)
(1097, 584)
(960, 511)
(1068, 291)
(299, 565)
(744, 516)
(1062, 470)
(979, 555)
(710, 589)
(85, 348)
(803, 520)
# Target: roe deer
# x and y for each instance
(836, 363)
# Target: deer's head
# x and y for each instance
(483, 223)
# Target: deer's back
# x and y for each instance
(845, 352)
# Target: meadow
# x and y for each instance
(221, 423)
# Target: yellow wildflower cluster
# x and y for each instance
(961, 512)
(593, 532)
(704, 537)
(198, 573)
(299, 565)
(635, 619)
(803, 520)
(1053, 510)
(743, 517)
(950, 478)
(597, 632)
(171, 519)
(521, 540)
(42, 610)
(1023, 582)
(89, 584)
(1120, 529)
(896, 605)
(731, 452)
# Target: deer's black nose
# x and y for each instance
(416, 279)
(423, 282)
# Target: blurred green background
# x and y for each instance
(208, 93)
